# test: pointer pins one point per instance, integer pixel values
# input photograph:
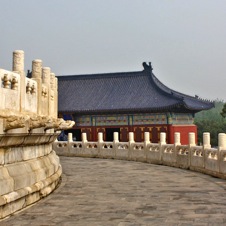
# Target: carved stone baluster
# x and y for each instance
(33, 89)
(28, 88)
(14, 83)
(6, 82)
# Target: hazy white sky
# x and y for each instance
(184, 39)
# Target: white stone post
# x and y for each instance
(18, 61)
(191, 138)
(206, 140)
(116, 140)
(37, 69)
(84, 138)
(70, 137)
(222, 141)
(131, 137)
(146, 138)
(52, 94)
(18, 67)
(45, 90)
(100, 138)
(177, 139)
(37, 76)
(162, 138)
(46, 75)
(56, 98)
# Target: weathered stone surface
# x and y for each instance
(29, 168)
(6, 181)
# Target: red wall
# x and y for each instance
(154, 130)
(184, 130)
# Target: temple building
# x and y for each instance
(127, 102)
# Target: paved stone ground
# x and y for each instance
(112, 192)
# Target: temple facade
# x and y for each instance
(127, 102)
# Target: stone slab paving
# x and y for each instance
(122, 193)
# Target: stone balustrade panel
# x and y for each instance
(76, 149)
(197, 157)
(222, 160)
(31, 96)
(106, 150)
(211, 160)
(44, 100)
(137, 152)
(182, 156)
(9, 90)
(153, 153)
(168, 154)
(91, 149)
(61, 147)
(122, 150)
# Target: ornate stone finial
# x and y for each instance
(46, 75)
(18, 60)
(37, 68)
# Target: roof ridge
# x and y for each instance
(100, 75)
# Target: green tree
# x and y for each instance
(223, 112)
(212, 121)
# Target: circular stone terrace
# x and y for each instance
(123, 193)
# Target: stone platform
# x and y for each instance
(123, 193)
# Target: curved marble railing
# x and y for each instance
(29, 167)
(203, 159)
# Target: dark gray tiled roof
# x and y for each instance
(129, 91)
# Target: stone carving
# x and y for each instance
(14, 83)
(6, 82)
(33, 89)
(30, 89)
(24, 151)
(44, 92)
(64, 125)
(18, 60)
(52, 123)
(36, 68)
(37, 121)
(59, 124)
(15, 122)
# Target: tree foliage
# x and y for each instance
(212, 121)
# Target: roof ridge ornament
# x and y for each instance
(147, 66)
